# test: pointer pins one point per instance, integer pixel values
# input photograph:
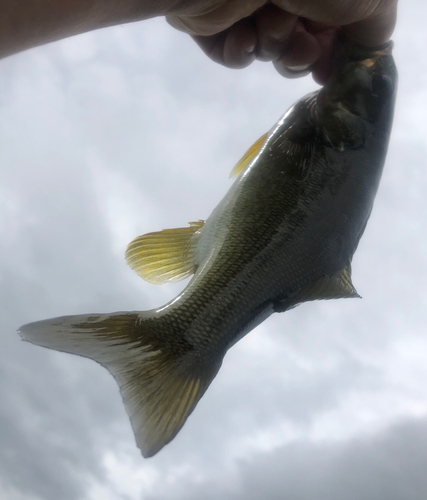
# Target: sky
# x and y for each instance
(132, 129)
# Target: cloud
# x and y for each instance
(388, 465)
(104, 137)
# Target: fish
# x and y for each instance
(284, 234)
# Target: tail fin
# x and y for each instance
(160, 387)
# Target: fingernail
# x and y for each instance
(292, 71)
(250, 49)
(278, 36)
(298, 68)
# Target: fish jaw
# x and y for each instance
(358, 99)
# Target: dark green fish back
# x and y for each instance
(284, 234)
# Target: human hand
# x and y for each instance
(296, 35)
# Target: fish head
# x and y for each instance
(358, 99)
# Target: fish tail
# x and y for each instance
(160, 386)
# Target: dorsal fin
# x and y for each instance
(164, 256)
(250, 154)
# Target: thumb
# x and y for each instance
(375, 29)
(212, 21)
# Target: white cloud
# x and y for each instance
(132, 129)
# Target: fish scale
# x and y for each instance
(284, 234)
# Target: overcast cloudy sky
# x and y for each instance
(132, 129)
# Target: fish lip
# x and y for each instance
(346, 52)
(361, 52)
(346, 49)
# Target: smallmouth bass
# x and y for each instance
(284, 234)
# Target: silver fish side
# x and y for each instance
(284, 234)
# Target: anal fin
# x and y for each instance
(338, 286)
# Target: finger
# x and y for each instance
(274, 27)
(181, 23)
(325, 11)
(316, 28)
(217, 19)
(234, 48)
(322, 68)
(240, 44)
(367, 23)
(377, 28)
(302, 51)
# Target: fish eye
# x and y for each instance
(382, 85)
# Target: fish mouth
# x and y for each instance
(361, 52)
(346, 50)
(355, 65)
(368, 57)
(353, 98)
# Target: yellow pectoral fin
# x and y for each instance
(164, 256)
(248, 156)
